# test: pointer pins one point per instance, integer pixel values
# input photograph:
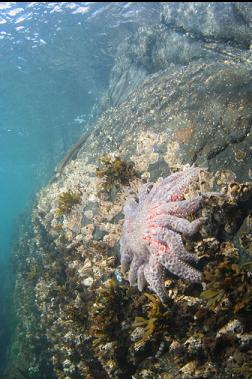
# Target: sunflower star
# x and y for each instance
(151, 240)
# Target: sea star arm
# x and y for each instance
(144, 192)
(141, 281)
(179, 180)
(179, 208)
(126, 254)
(167, 241)
(179, 224)
(177, 247)
(165, 185)
(154, 274)
(125, 261)
(179, 188)
(135, 264)
(179, 268)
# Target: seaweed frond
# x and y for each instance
(115, 172)
(66, 202)
(228, 281)
(151, 325)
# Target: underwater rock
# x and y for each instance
(195, 112)
(223, 22)
(189, 369)
(115, 172)
(234, 326)
(194, 344)
(93, 318)
(203, 32)
(200, 124)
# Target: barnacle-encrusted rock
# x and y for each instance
(188, 110)
(114, 171)
(234, 326)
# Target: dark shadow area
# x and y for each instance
(7, 314)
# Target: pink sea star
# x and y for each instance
(151, 240)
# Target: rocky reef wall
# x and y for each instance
(180, 93)
(186, 33)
